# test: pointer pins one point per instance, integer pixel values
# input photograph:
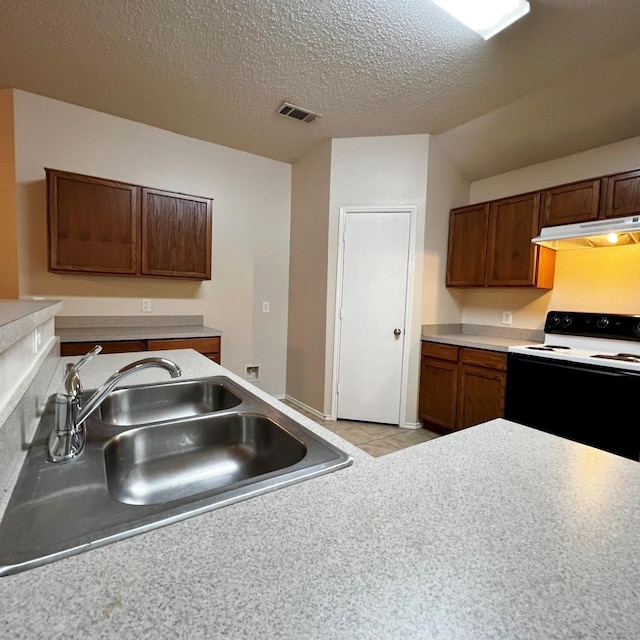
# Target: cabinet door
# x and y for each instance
(92, 224)
(467, 246)
(176, 235)
(480, 395)
(623, 195)
(438, 391)
(571, 203)
(512, 259)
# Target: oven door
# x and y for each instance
(587, 404)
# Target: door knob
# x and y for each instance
(397, 332)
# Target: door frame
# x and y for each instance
(412, 210)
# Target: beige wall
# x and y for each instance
(595, 280)
(9, 285)
(388, 170)
(251, 217)
(310, 184)
(446, 189)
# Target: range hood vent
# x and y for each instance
(288, 110)
(616, 232)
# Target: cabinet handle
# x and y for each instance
(397, 332)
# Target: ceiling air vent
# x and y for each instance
(289, 110)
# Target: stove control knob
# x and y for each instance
(602, 323)
(566, 321)
(554, 320)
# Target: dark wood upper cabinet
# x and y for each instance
(107, 227)
(490, 245)
(512, 259)
(622, 195)
(468, 228)
(93, 224)
(571, 203)
(176, 235)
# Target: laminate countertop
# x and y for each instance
(19, 317)
(107, 334)
(497, 531)
(491, 343)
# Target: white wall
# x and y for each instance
(251, 217)
(606, 280)
(310, 188)
(389, 170)
(446, 189)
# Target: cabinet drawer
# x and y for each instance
(441, 351)
(484, 358)
(122, 346)
(203, 345)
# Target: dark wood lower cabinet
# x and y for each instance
(460, 387)
(209, 347)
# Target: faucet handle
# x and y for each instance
(72, 384)
(85, 358)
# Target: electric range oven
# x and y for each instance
(582, 383)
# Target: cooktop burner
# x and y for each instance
(549, 347)
(624, 357)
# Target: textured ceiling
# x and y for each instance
(217, 70)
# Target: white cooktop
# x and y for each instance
(583, 350)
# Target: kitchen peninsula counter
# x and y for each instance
(497, 531)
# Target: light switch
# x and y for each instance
(265, 307)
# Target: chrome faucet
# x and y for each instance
(67, 438)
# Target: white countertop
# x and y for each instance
(19, 317)
(497, 531)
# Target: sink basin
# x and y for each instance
(167, 401)
(149, 463)
(154, 465)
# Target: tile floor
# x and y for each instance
(376, 439)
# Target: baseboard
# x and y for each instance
(301, 405)
(411, 425)
(280, 396)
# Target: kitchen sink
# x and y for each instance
(148, 463)
(155, 403)
(154, 466)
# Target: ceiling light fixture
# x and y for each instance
(485, 17)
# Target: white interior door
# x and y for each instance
(372, 315)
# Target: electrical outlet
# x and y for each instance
(506, 317)
(146, 305)
(265, 307)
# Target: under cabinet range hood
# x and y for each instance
(616, 232)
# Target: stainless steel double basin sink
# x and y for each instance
(155, 454)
